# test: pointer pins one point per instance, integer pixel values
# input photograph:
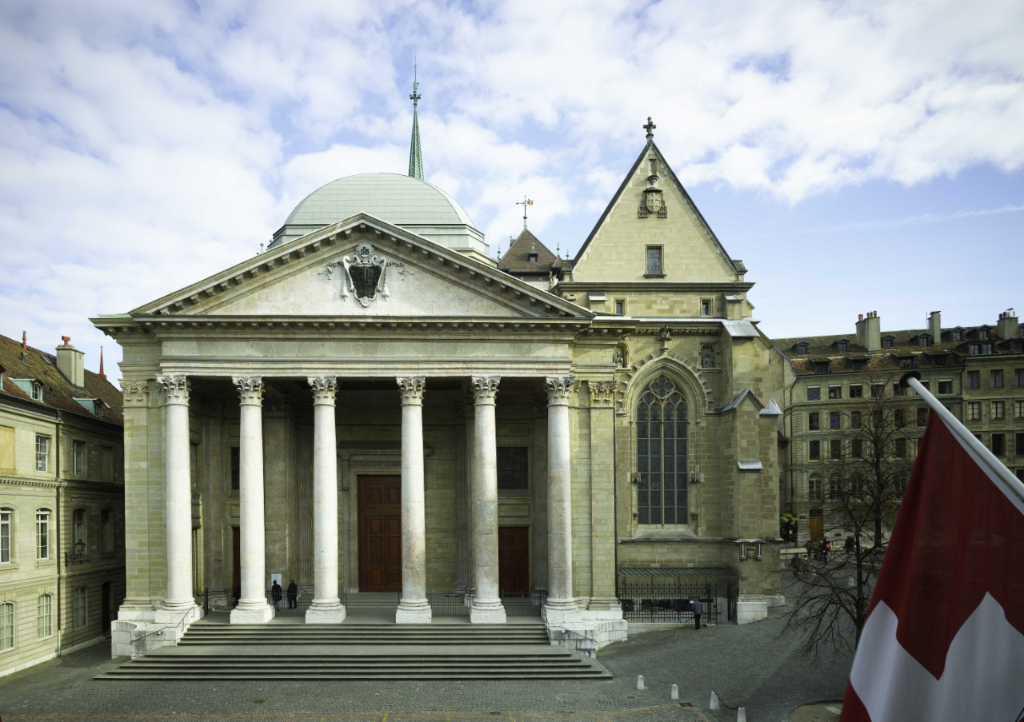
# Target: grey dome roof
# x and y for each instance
(397, 199)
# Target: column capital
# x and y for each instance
(135, 392)
(324, 388)
(250, 389)
(602, 393)
(559, 388)
(411, 388)
(176, 387)
(485, 388)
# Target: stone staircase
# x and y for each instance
(361, 652)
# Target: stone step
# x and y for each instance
(353, 634)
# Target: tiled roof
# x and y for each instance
(58, 392)
(517, 258)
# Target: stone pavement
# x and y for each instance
(746, 665)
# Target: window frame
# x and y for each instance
(659, 487)
(835, 422)
(660, 272)
(79, 449)
(814, 421)
(513, 461)
(7, 534)
(814, 450)
(707, 307)
(973, 411)
(1001, 450)
(620, 307)
(817, 393)
(44, 616)
(997, 410)
(995, 378)
(948, 388)
(974, 379)
(8, 626)
(835, 392)
(814, 487)
(44, 443)
(83, 593)
(43, 534)
(80, 529)
(859, 393)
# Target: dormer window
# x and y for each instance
(906, 362)
(801, 348)
(1017, 346)
(842, 346)
(532, 257)
(924, 340)
(857, 364)
(940, 360)
(37, 391)
(957, 335)
(986, 349)
(820, 367)
(887, 341)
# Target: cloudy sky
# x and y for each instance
(857, 156)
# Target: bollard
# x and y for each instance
(741, 715)
(639, 681)
(714, 701)
(675, 691)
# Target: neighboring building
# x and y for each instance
(531, 261)
(593, 446)
(62, 574)
(976, 372)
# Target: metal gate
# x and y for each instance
(666, 600)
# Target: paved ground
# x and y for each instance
(746, 665)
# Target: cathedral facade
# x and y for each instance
(373, 406)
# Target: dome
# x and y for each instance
(397, 199)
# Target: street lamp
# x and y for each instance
(78, 553)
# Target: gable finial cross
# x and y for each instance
(524, 203)
(650, 128)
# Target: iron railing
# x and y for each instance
(456, 603)
(666, 600)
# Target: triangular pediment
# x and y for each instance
(314, 276)
(616, 249)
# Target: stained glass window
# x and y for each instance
(661, 454)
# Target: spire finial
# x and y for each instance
(524, 203)
(415, 152)
(650, 128)
(102, 375)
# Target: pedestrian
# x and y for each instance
(809, 546)
(826, 547)
(275, 594)
(293, 595)
(698, 610)
(790, 534)
(794, 561)
(849, 545)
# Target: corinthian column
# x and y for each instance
(252, 607)
(486, 607)
(326, 608)
(414, 607)
(560, 606)
(178, 496)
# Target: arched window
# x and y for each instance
(44, 616)
(81, 597)
(814, 487)
(661, 454)
(6, 516)
(6, 626)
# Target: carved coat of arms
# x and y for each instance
(365, 275)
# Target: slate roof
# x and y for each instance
(517, 260)
(905, 345)
(58, 392)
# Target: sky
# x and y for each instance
(856, 155)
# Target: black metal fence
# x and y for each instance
(666, 600)
(454, 603)
(449, 603)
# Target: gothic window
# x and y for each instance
(661, 454)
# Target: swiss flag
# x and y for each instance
(944, 637)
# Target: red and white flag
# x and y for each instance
(944, 636)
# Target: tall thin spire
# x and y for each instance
(415, 152)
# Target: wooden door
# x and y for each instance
(514, 561)
(817, 527)
(380, 533)
(236, 566)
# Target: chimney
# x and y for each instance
(70, 362)
(935, 326)
(1008, 327)
(24, 342)
(869, 331)
(102, 375)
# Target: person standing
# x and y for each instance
(275, 593)
(293, 595)
(698, 611)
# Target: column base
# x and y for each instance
(255, 614)
(492, 612)
(219, 598)
(605, 604)
(561, 611)
(325, 613)
(413, 612)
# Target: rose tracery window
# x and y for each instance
(661, 454)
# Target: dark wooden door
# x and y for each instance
(514, 561)
(380, 534)
(236, 565)
(817, 526)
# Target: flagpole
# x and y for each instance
(969, 440)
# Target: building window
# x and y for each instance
(855, 420)
(6, 626)
(876, 418)
(940, 360)
(705, 307)
(877, 390)
(5, 536)
(974, 379)
(835, 392)
(620, 307)
(857, 449)
(900, 418)
(820, 367)
(42, 535)
(801, 349)
(44, 616)
(654, 265)
(842, 346)
(858, 364)
(834, 490)
(837, 520)
(512, 467)
(999, 444)
(37, 391)
(835, 448)
(235, 468)
(887, 342)
(813, 393)
(907, 363)
(662, 454)
(814, 487)
(1018, 377)
(898, 390)
(974, 411)
(833, 420)
(946, 386)
(957, 336)
(813, 421)
(78, 529)
(78, 457)
(1018, 409)
(998, 411)
(927, 384)
(901, 448)
(922, 417)
(986, 349)
(107, 530)
(815, 450)
(79, 613)
(1019, 445)
(42, 453)
(995, 378)
(924, 341)
(856, 391)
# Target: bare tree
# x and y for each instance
(869, 459)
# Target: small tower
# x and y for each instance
(415, 152)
